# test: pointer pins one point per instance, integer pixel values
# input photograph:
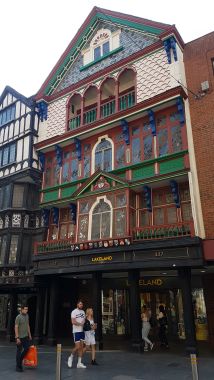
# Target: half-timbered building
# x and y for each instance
(20, 219)
(119, 196)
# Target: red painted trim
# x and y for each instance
(94, 11)
(177, 91)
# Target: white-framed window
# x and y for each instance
(100, 220)
(102, 154)
(103, 43)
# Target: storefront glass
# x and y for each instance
(114, 312)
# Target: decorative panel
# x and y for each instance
(145, 172)
(171, 165)
(50, 196)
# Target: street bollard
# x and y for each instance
(58, 361)
(194, 366)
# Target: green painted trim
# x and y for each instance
(134, 25)
(62, 69)
(101, 58)
(65, 184)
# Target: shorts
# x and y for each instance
(89, 338)
(78, 336)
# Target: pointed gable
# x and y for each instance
(99, 182)
(71, 67)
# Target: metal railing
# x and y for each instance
(164, 231)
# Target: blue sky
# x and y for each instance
(34, 34)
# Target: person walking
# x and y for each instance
(22, 336)
(78, 320)
(90, 328)
(162, 321)
(145, 316)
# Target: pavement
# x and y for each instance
(113, 365)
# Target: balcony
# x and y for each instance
(107, 109)
(169, 231)
(90, 116)
(127, 100)
(75, 122)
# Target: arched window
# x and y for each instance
(101, 227)
(103, 155)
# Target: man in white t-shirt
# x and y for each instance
(78, 320)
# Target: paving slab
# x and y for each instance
(113, 365)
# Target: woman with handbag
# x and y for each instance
(145, 316)
(89, 328)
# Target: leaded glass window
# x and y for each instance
(163, 143)
(159, 216)
(87, 160)
(120, 155)
(13, 249)
(3, 246)
(101, 221)
(103, 156)
(5, 156)
(172, 214)
(176, 138)
(120, 222)
(83, 228)
(136, 150)
(147, 145)
(65, 172)
(74, 169)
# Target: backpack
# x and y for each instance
(87, 325)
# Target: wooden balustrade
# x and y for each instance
(164, 231)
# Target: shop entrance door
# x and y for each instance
(168, 299)
(115, 318)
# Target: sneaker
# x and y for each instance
(93, 362)
(70, 361)
(81, 365)
(146, 350)
(151, 346)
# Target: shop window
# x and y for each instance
(67, 228)
(103, 155)
(18, 195)
(101, 221)
(52, 172)
(13, 249)
(7, 115)
(3, 248)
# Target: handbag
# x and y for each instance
(31, 357)
(87, 325)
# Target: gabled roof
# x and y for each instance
(81, 38)
(9, 90)
(99, 173)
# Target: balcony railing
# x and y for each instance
(90, 116)
(108, 108)
(75, 122)
(52, 246)
(127, 100)
(164, 231)
(70, 245)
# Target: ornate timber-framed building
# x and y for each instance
(20, 216)
(120, 195)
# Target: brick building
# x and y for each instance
(199, 67)
(120, 196)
